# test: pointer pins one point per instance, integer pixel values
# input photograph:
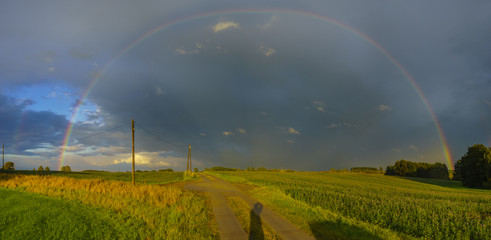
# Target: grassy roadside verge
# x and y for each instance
(34, 216)
(163, 212)
(320, 223)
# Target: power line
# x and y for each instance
(159, 138)
(107, 130)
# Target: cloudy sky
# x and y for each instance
(281, 84)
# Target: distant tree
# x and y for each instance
(166, 170)
(438, 170)
(47, 169)
(66, 169)
(405, 168)
(195, 169)
(34, 169)
(262, 169)
(40, 169)
(474, 168)
(390, 170)
(365, 169)
(9, 166)
(221, 169)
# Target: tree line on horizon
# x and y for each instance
(406, 168)
(473, 168)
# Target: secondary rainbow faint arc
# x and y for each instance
(159, 28)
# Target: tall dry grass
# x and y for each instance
(169, 210)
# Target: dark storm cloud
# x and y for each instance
(23, 129)
(215, 92)
(348, 104)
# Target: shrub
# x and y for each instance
(66, 169)
(220, 169)
(365, 170)
(9, 166)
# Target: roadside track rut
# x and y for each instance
(228, 225)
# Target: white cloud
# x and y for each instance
(293, 131)
(142, 159)
(342, 125)
(243, 131)
(320, 106)
(397, 150)
(290, 141)
(45, 148)
(487, 102)
(383, 107)
(199, 45)
(228, 133)
(182, 51)
(51, 69)
(221, 26)
(52, 94)
(158, 90)
(267, 50)
(203, 134)
(268, 24)
(413, 147)
(334, 125)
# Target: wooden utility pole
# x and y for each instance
(189, 156)
(133, 148)
(187, 165)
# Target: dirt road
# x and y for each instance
(228, 225)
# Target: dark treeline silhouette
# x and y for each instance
(474, 168)
(418, 169)
(367, 169)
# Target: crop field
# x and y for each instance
(372, 206)
(133, 212)
(102, 205)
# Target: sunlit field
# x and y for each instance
(372, 206)
(136, 212)
(140, 177)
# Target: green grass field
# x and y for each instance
(373, 206)
(34, 216)
(66, 208)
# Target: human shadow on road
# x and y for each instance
(339, 230)
(256, 227)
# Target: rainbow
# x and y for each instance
(172, 23)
